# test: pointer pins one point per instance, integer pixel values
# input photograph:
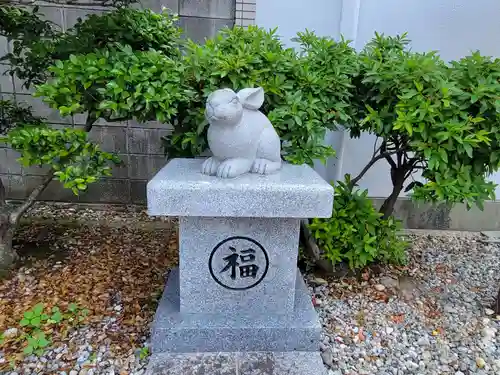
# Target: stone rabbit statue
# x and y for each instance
(240, 137)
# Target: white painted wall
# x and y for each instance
(452, 27)
(291, 16)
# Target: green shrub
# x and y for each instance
(305, 93)
(12, 115)
(140, 29)
(117, 84)
(74, 160)
(38, 44)
(430, 117)
(356, 233)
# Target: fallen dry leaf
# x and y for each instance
(438, 331)
(398, 318)
(361, 336)
(382, 296)
(442, 268)
(314, 302)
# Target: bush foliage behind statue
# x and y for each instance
(306, 93)
(127, 64)
(430, 117)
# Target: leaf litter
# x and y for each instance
(115, 273)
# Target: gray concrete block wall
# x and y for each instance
(245, 12)
(138, 145)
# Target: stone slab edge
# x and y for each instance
(237, 363)
(180, 189)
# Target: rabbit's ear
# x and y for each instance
(251, 98)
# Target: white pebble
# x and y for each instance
(426, 356)
(411, 365)
(489, 332)
(379, 287)
(423, 341)
(10, 333)
(480, 362)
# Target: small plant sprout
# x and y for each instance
(35, 317)
(56, 316)
(36, 343)
(36, 324)
(144, 352)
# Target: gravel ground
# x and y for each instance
(112, 215)
(430, 317)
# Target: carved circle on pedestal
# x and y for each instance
(238, 263)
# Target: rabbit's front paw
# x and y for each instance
(233, 167)
(210, 166)
(264, 166)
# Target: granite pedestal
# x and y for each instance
(237, 289)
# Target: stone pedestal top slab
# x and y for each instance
(296, 191)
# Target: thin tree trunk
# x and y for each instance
(91, 119)
(9, 220)
(3, 195)
(7, 254)
(309, 242)
(398, 179)
(496, 306)
(387, 207)
(16, 215)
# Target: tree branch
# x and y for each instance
(411, 166)
(375, 149)
(16, 215)
(409, 172)
(400, 156)
(384, 149)
(391, 160)
(418, 167)
(387, 154)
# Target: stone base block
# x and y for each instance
(256, 363)
(176, 332)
